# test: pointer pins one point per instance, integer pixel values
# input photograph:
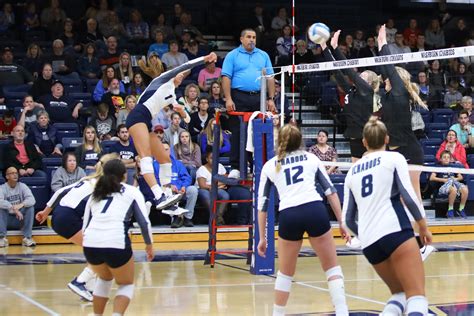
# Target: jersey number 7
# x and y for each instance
(107, 204)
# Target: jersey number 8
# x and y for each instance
(367, 186)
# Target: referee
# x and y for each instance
(241, 84)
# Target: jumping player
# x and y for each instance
(107, 245)
(293, 172)
(68, 204)
(373, 211)
(160, 93)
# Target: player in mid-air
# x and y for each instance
(294, 171)
(373, 211)
(160, 93)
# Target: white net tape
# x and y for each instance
(446, 53)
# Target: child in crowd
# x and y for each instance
(104, 122)
(451, 185)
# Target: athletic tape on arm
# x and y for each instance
(445, 53)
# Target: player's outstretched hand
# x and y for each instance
(262, 248)
(211, 58)
(335, 39)
(42, 216)
(149, 252)
(382, 37)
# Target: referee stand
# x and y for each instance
(263, 142)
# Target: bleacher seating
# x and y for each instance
(51, 164)
(40, 187)
(72, 86)
(70, 143)
(437, 130)
(107, 144)
(3, 144)
(66, 130)
(442, 116)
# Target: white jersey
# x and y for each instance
(373, 190)
(72, 195)
(106, 222)
(295, 182)
(161, 90)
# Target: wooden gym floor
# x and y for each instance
(33, 282)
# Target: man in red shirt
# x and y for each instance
(23, 155)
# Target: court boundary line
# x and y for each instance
(302, 283)
(30, 300)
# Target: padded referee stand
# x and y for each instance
(263, 132)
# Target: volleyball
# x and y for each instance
(318, 33)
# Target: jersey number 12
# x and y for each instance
(293, 178)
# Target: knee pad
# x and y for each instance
(283, 282)
(102, 287)
(125, 290)
(334, 272)
(146, 165)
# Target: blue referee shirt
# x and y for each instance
(243, 68)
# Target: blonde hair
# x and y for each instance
(188, 87)
(374, 133)
(150, 69)
(30, 47)
(95, 144)
(129, 68)
(412, 88)
(210, 134)
(289, 139)
(178, 147)
(374, 81)
(99, 167)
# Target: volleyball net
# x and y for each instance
(317, 102)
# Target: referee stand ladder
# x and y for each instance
(263, 150)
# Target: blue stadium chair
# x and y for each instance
(442, 116)
(2, 180)
(470, 161)
(90, 84)
(72, 86)
(469, 181)
(70, 143)
(66, 130)
(429, 149)
(16, 88)
(51, 164)
(3, 145)
(40, 187)
(431, 141)
(437, 130)
(17, 112)
(83, 97)
(14, 99)
(107, 144)
(426, 115)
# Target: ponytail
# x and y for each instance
(289, 139)
(110, 182)
(374, 133)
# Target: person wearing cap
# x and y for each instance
(174, 57)
(154, 67)
(241, 75)
(159, 47)
(159, 94)
(12, 74)
(61, 108)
